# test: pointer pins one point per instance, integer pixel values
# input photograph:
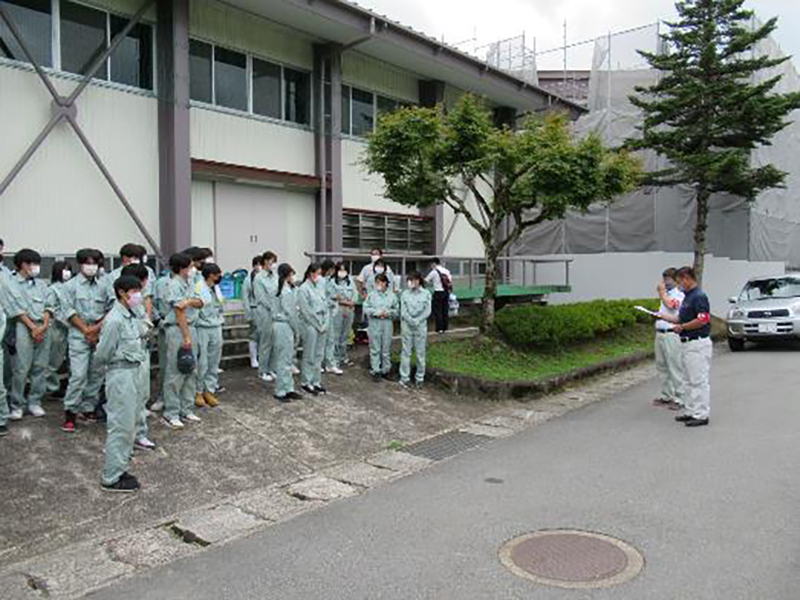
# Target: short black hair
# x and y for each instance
(85, 255)
(327, 265)
(671, 273)
(378, 250)
(417, 276)
(210, 269)
(126, 283)
(131, 251)
(258, 260)
(192, 252)
(27, 256)
(436, 261)
(382, 277)
(269, 255)
(205, 253)
(138, 271)
(687, 272)
(180, 261)
(2, 243)
(57, 272)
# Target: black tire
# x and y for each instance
(735, 344)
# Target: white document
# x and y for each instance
(649, 312)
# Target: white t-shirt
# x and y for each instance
(435, 278)
(369, 270)
(673, 294)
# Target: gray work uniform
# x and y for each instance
(249, 302)
(343, 317)
(380, 308)
(179, 388)
(3, 321)
(209, 338)
(121, 350)
(313, 308)
(85, 299)
(32, 360)
(329, 358)
(285, 325)
(58, 332)
(669, 354)
(159, 290)
(415, 308)
(265, 286)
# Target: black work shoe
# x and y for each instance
(377, 376)
(419, 385)
(309, 390)
(684, 418)
(123, 485)
(284, 399)
(320, 390)
(89, 417)
(3, 431)
(696, 422)
(294, 396)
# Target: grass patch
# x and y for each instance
(493, 360)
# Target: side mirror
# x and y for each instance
(733, 300)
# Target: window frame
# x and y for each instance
(401, 102)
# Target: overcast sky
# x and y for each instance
(460, 20)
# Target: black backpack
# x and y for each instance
(447, 283)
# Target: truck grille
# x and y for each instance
(768, 314)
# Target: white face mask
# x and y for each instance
(135, 300)
(379, 270)
(89, 270)
(144, 259)
(342, 274)
(192, 272)
(412, 284)
(135, 261)
(209, 260)
(35, 270)
(374, 258)
(66, 275)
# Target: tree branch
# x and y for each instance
(483, 207)
(459, 207)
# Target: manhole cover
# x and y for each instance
(445, 445)
(571, 559)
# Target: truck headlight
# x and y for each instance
(736, 313)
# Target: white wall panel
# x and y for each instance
(361, 189)
(238, 140)
(60, 201)
(203, 226)
(377, 76)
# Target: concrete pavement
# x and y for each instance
(713, 510)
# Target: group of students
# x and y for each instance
(105, 325)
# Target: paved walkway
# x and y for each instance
(713, 510)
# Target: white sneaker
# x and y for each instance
(267, 377)
(334, 370)
(295, 370)
(173, 423)
(220, 370)
(157, 406)
(36, 411)
(15, 415)
(192, 418)
(144, 444)
(253, 364)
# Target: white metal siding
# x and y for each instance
(377, 76)
(60, 201)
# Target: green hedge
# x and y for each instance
(543, 327)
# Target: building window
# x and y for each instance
(132, 61)
(84, 36)
(387, 105)
(230, 78)
(200, 87)
(363, 120)
(398, 234)
(346, 109)
(266, 89)
(34, 20)
(297, 105)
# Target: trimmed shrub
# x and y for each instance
(545, 327)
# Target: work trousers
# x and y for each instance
(179, 388)
(209, 354)
(58, 354)
(342, 326)
(380, 346)
(32, 361)
(415, 339)
(3, 398)
(264, 325)
(329, 360)
(283, 352)
(697, 363)
(123, 395)
(313, 353)
(85, 377)
(440, 306)
(669, 363)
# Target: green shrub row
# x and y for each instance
(543, 327)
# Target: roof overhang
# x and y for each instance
(379, 37)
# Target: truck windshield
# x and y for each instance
(765, 289)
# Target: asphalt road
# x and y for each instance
(713, 510)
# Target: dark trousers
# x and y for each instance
(441, 310)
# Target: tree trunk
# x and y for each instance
(700, 230)
(489, 291)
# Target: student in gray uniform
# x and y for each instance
(3, 321)
(381, 307)
(209, 336)
(29, 311)
(179, 304)
(329, 362)
(265, 285)
(249, 302)
(85, 309)
(344, 315)
(59, 329)
(286, 327)
(121, 351)
(142, 275)
(415, 308)
(313, 309)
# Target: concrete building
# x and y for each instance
(237, 125)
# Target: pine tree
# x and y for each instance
(706, 113)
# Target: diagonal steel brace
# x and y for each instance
(64, 109)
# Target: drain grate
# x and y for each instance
(445, 445)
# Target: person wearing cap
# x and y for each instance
(61, 273)
(121, 351)
(668, 347)
(29, 309)
(693, 325)
(84, 310)
(209, 336)
(179, 306)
